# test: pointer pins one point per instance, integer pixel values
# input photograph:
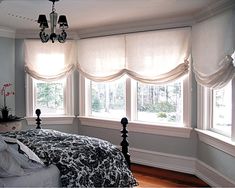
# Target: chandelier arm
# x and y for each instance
(62, 37)
(43, 36)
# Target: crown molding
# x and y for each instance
(214, 9)
(6, 32)
(147, 25)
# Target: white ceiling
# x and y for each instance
(100, 15)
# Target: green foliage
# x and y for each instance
(159, 107)
(162, 115)
(50, 95)
(96, 105)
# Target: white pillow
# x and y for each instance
(13, 162)
(26, 158)
(3, 144)
(9, 166)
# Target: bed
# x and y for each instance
(80, 161)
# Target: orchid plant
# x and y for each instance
(5, 94)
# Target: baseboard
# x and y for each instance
(212, 176)
(163, 160)
(179, 163)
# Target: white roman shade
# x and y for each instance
(151, 57)
(49, 61)
(158, 56)
(213, 46)
(102, 58)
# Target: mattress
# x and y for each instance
(43, 177)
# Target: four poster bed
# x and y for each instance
(50, 158)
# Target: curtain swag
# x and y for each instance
(220, 78)
(213, 47)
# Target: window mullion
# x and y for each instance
(233, 111)
(128, 99)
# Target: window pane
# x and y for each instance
(49, 97)
(222, 110)
(108, 99)
(160, 103)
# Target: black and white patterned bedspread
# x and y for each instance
(83, 161)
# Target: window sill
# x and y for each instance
(52, 120)
(174, 131)
(218, 141)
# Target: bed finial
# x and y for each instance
(38, 120)
(124, 142)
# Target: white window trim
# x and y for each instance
(51, 119)
(204, 121)
(183, 132)
(136, 126)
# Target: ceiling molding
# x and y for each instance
(6, 32)
(148, 25)
(214, 9)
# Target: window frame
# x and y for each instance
(205, 120)
(51, 119)
(168, 129)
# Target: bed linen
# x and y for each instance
(42, 177)
(83, 161)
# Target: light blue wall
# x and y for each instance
(217, 159)
(7, 69)
(20, 103)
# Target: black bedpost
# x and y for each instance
(38, 120)
(124, 142)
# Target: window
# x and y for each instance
(216, 110)
(108, 99)
(49, 97)
(222, 110)
(160, 103)
(147, 103)
(53, 98)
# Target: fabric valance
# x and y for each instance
(49, 61)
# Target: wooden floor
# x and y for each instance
(155, 177)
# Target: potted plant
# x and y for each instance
(5, 109)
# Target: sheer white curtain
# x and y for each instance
(213, 46)
(49, 61)
(151, 57)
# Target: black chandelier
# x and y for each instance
(43, 24)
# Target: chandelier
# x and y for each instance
(43, 24)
